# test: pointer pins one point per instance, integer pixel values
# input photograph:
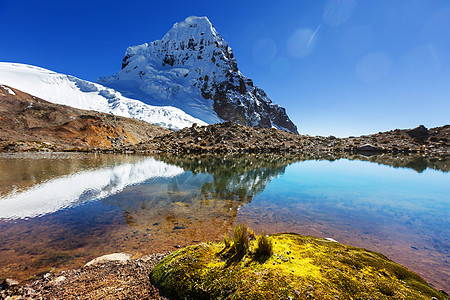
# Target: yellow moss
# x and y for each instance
(367, 270)
(292, 259)
(297, 266)
(300, 268)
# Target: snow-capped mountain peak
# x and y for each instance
(192, 27)
(193, 68)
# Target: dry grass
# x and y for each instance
(241, 240)
(264, 247)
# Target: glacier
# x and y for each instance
(72, 91)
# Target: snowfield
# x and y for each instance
(71, 91)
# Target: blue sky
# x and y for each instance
(340, 67)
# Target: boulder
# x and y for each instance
(119, 257)
(300, 267)
(368, 148)
(420, 132)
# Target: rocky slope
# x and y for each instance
(193, 68)
(68, 90)
(31, 123)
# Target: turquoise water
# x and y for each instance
(60, 210)
(399, 212)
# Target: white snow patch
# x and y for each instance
(68, 90)
(8, 90)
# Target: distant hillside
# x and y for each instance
(30, 123)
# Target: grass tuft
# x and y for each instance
(241, 240)
(264, 247)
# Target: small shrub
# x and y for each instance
(264, 247)
(241, 240)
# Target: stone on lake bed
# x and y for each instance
(9, 282)
(58, 280)
(119, 257)
(320, 270)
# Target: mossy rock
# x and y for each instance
(301, 267)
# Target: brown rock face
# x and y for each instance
(368, 148)
(25, 118)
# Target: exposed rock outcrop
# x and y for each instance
(30, 123)
(228, 137)
(368, 148)
(420, 133)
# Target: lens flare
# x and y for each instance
(422, 61)
(302, 42)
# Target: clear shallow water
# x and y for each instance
(58, 211)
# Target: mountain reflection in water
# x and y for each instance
(89, 205)
(74, 189)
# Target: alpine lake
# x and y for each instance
(60, 210)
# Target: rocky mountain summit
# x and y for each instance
(193, 68)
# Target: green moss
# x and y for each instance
(300, 268)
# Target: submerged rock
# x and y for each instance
(300, 267)
(9, 282)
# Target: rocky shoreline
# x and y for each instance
(120, 276)
(114, 276)
(228, 137)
